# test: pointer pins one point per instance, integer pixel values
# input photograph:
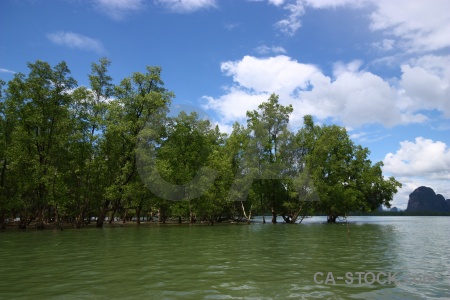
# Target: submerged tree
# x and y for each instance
(345, 178)
(269, 135)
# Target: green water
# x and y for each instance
(228, 262)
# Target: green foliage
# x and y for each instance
(344, 177)
(70, 153)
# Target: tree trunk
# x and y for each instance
(57, 219)
(40, 219)
(331, 218)
(2, 220)
(102, 215)
(161, 215)
(80, 219)
(23, 222)
(124, 219)
(111, 219)
(274, 216)
(193, 218)
(249, 216)
(138, 215)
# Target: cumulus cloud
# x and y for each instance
(233, 106)
(76, 41)
(422, 162)
(186, 6)
(352, 96)
(118, 9)
(280, 73)
(426, 83)
(356, 98)
(423, 157)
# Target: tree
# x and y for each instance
(236, 153)
(69, 153)
(345, 178)
(39, 105)
(269, 135)
(8, 186)
(88, 115)
(189, 144)
(301, 194)
(138, 98)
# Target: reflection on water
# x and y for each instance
(228, 261)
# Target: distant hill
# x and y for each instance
(425, 199)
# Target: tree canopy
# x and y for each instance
(74, 154)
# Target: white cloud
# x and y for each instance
(426, 90)
(187, 6)
(296, 8)
(266, 49)
(119, 9)
(234, 105)
(353, 97)
(412, 25)
(2, 70)
(224, 128)
(279, 73)
(423, 162)
(75, 40)
(423, 157)
(417, 25)
(292, 23)
(422, 26)
(322, 4)
(356, 98)
(426, 83)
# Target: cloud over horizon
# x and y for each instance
(351, 96)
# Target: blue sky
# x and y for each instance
(381, 68)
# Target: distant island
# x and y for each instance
(423, 201)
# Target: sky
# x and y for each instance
(380, 68)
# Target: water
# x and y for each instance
(229, 261)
